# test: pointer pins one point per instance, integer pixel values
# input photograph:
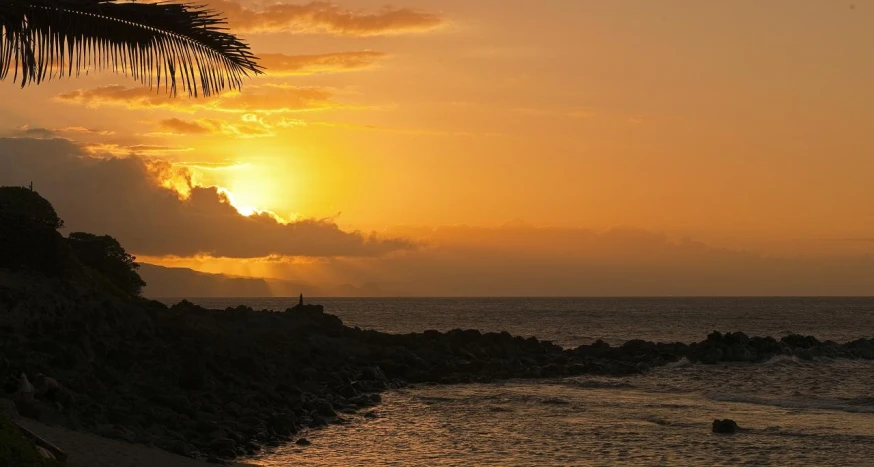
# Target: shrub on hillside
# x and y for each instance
(105, 255)
(30, 245)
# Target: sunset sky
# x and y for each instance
(485, 138)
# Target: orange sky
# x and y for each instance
(743, 124)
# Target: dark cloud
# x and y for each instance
(120, 197)
(324, 17)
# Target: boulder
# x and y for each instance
(725, 427)
(223, 446)
(324, 408)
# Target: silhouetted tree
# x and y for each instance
(104, 254)
(29, 239)
(40, 39)
(22, 202)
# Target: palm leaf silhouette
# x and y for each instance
(154, 42)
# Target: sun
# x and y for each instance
(251, 189)
(243, 209)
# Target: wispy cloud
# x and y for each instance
(112, 149)
(536, 112)
(325, 17)
(42, 132)
(285, 65)
(213, 126)
(267, 98)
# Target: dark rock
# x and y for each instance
(223, 445)
(552, 370)
(362, 400)
(307, 308)
(303, 442)
(711, 355)
(178, 403)
(284, 423)
(726, 426)
(715, 337)
(324, 408)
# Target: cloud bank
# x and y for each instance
(520, 260)
(120, 197)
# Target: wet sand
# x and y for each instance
(88, 450)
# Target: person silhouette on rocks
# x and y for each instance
(25, 389)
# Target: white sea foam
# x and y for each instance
(782, 360)
(683, 362)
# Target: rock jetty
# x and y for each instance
(225, 383)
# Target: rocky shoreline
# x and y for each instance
(219, 384)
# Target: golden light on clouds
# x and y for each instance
(324, 17)
(266, 98)
(291, 65)
(242, 209)
(743, 124)
(214, 126)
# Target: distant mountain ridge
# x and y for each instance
(162, 281)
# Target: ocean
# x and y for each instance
(793, 412)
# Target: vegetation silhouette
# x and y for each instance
(154, 42)
(105, 255)
(28, 233)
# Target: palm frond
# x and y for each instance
(159, 44)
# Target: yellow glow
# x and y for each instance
(243, 209)
(616, 113)
(269, 267)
